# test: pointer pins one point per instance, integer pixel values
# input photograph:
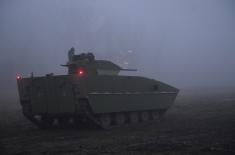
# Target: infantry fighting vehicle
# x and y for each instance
(93, 92)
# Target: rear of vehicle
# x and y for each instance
(47, 97)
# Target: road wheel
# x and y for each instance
(145, 116)
(134, 117)
(47, 121)
(105, 120)
(63, 122)
(155, 115)
(120, 118)
(162, 112)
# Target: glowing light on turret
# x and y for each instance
(80, 72)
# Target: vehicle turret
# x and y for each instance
(86, 62)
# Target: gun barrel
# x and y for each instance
(129, 69)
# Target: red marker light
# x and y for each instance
(80, 72)
(18, 77)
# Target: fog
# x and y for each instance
(186, 43)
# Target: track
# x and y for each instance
(87, 118)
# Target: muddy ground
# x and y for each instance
(200, 122)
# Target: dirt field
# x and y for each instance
(198, 123)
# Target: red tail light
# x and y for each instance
(18, 77)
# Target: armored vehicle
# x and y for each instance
(93, 92)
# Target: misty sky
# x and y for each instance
(181, 42)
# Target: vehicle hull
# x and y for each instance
(92, 98)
